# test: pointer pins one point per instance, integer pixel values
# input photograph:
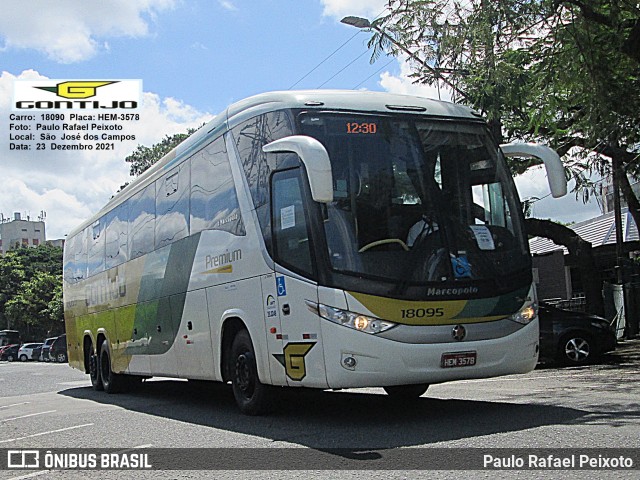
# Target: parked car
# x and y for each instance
(573, 338)
(58, 349)
(44, 353)
(2, 349)
(29, 351)
(10, 352)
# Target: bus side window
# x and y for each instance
(214, 203)
(142, 215)
(116, 236)
(290, 232)
(172, 206)
(249, 138)
(96, 250)
(75, 268)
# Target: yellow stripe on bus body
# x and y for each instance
(407, 312)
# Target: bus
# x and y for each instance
(9, 337)
(321, 239)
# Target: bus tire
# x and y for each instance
(251, 396)
(407, 392)
(111, 382)
(94, 373)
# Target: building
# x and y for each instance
(556, 273)
(16, 232)
(558, 279)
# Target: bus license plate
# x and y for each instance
(458, 359)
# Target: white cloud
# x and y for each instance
(68, 31)
(227, 5)
(567, 209)
(360, 8)
(71, 186)
(404, 84)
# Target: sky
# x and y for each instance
(194, 57)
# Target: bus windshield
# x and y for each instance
(418, 200)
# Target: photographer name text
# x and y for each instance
(557, 462)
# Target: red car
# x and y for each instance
(9, 352)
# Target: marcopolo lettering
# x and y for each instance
(452, 291)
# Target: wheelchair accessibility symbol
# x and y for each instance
(461, 267)
(282, 287)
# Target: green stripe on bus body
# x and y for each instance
(500, 306)
(162, 295)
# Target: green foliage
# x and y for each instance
(144, 157)
(31, 291)
(31, 305)
(563, 72)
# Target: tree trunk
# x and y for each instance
(629, 196)
(581, 251)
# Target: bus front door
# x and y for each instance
(302, 356)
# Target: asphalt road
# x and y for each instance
(46, 406)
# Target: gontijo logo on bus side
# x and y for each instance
(76, 94)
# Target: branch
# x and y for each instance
(589, 13)
(559, 234)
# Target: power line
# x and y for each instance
(327, 58)
(331, 55)
(343, 68)
(377, 71)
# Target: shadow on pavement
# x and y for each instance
(325, 420)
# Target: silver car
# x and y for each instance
(44, 354)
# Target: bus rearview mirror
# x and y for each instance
(551, 160)
(315, 159)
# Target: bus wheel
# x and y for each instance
(406, 392)
(111, 382)
(251, 395)
(94, 373)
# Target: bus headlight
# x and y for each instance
(356, 321)
(526, 314)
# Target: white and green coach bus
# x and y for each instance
(323, 239)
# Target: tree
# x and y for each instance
(30, 282)
(144, 157)
(34, 308)
(11, 276)
(560, 71)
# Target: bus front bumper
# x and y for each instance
(355, 359)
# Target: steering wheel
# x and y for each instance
(384, 241)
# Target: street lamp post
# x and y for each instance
(363, 23)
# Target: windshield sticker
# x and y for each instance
(483, 237)
(461, 267)
(288, 217)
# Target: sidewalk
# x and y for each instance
(626, 352)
